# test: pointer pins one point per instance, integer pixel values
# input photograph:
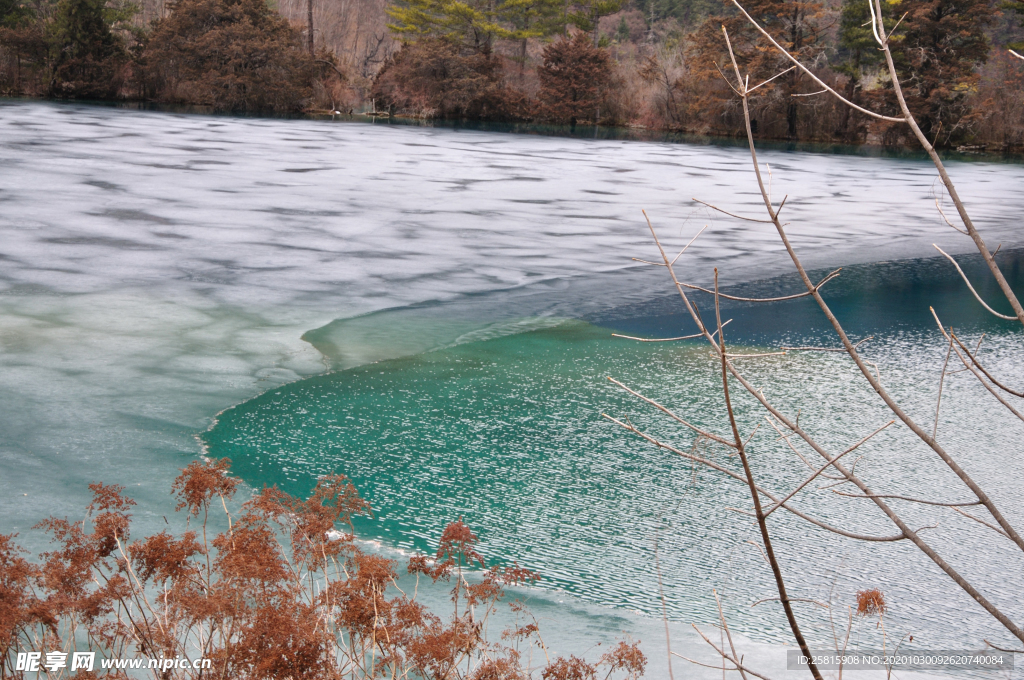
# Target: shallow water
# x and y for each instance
(157, 269)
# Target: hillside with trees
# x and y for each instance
(642, 63)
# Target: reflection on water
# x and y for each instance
(157, 268)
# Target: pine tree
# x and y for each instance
(1017, 7)
(573, 79)
(586, 15)
(86, 54)
(796, 24)
(14, 13)
(473, 24)
(938, 49)
(857, 54)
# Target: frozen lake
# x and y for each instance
(156, 269)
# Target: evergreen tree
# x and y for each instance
(14, 13)
(473, 24)
(938, 49)
(857, 54)
(234, 55)
(797, 25)
(573, 80)
(622, 32)
(87, 56)
(1017, 7)
(586, 15)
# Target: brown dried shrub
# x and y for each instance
(573, 80)
(231, 55)
(438, 79)
(282, 593)
(870, 602)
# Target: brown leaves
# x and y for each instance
(626, 657)
(435, 78)
(199, 483)
(19, 606)
(282, 593)
(573, 80)
(456, 545)
(572, 668)
(161, 558)
(870, 602)
(232, 55)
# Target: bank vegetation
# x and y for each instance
(655, 64)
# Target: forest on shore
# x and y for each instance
(652, 64)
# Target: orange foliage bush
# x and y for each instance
(436, 78)
(870, 602)
(573, 80)
(232, 55)
(285, 592)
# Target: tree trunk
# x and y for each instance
(309, 25)
(844, 118)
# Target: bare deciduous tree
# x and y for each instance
(766, 502)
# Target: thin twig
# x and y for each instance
(992, 391)
(703, 433)
(767, 494)
(723, 654)
(821, 283)
(681, 337)
(946, 219)
(980, 521)
(1003, 649)
(981, 368)
(942, 378)
(752, 356)
(728, 634)
(726, 212)
(964, 276)
(792, 599)
(664, 606)
(825, 349)
(824, 467)
(688, 245)
(777, 75)
(907, 498)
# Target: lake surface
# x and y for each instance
(429, 312)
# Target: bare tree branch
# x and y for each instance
(980, 521)
(825, 349)
(824, 467)
(701, 432)
(810, 73)
(969, 286)
(681, 337)
(737, 476)
(821, 283)
(907, 498)
(726, 212)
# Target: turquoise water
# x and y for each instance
(506, 432)
(451, 290)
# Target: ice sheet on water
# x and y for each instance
(157, 268)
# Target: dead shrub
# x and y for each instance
(284, 592)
